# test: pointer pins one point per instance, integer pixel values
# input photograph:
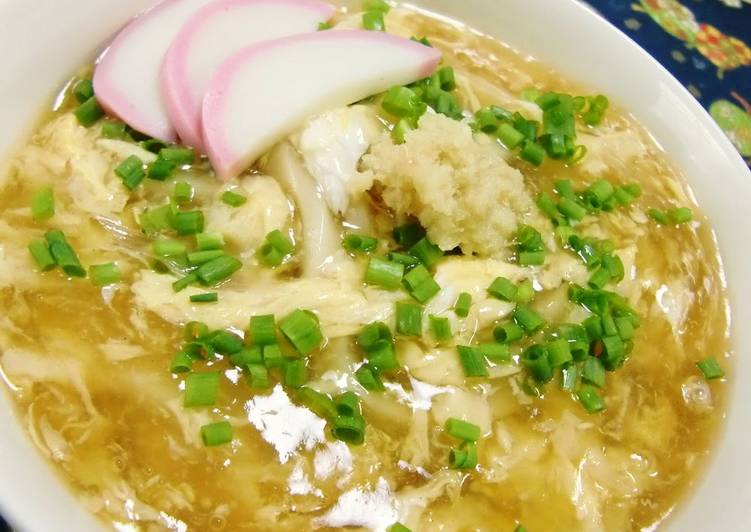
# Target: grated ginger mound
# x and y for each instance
(459, 186)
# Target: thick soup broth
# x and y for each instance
(89, 366)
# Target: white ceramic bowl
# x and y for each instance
(43, 42)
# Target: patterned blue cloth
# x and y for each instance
(705, 44)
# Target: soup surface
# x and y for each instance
(563, 444)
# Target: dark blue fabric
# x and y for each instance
(649, 23)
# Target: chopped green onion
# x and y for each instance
(383, 357)
(194, 330)
(571, 209)
(597, 107)
(472, 361)
(614, 266)
(408, 235)
(226, 342)
(201, 389)
(537, 362)
(593, 372)
(209, 241)
(218, 270)
(269, 256)
(402, 258)
(533, 153)
(350, 430)
(202, 257)
(398, 527)
(463, 304)
(622, 197)
(408, 318)
(507, 333)
(427, 252)
(158, 219)
(528, 319)
(181, 363)
(153, 145)
(659, 216)
(528, 238)
(257, 376)
(276, 248)
(272, 356)
(216, 433)
(599, 279)
(105, 274)
(496, 353)
(531, 258)
(262, 329)
(303, 331)
(83, 90)
(590, 399)
(634, 190)
(559, 353)
(463, 458)
(168, 248)
(625, 327)
(503, 289)
(113, 130)
(710, 368)
(199, 349)
(525, 292)
(319, 403)
(598, 193)
(184, 282)
(323, 26)
(569, 374)
(295, 372)
(546, 204)
(183, 192)
(376, 5)
(608, 325)
(189, 223)
(402, 127)
(160, 169)
(233, 199)
(40, 252)
(565, 189)
(43, 204)
(89, 112)
(359, 243)
(447, 78)
(680, 215)
(486, 121)
(520, 528)
(64, 254)
(131, 172)
(509, 136)
(548, 100)
(372, 334)
(209, 297)
(462, 429)
(384, 273)
(247, 357)
(403, 102)
(614, 352)
(440, 328)
(347, 404)
(369, 379)
(420, 284)
(179, 156)
(373, 21)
